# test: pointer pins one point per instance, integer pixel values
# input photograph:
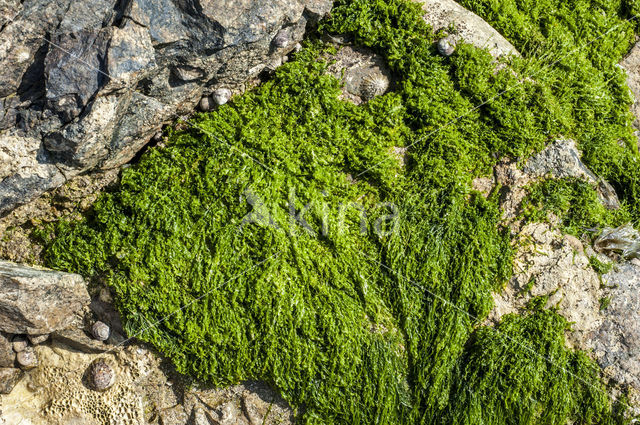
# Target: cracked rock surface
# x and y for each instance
(85, 85)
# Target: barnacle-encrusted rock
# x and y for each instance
(27, 359)
(38, 301)
(100, 331)
(221, 96)
(101, 375)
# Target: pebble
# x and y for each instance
(100, 331)
(206, 104)
(19, 343)
(27, 359)
(101, 375)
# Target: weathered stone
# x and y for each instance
(631, 64)
(548, 263)
(561, 159)
(78, 340)
(173, 416)
(617, 340)
(199, 417)
(37, 301)
(26, 168)
(27, 359)
(9, 377)
(441, 14)
(101, 375)
(7, 355)
(115, 72)
(19, 343)
(38, 339)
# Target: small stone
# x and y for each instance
(101, 375)
(297, 47)
(282, 39)
(206, 104)
(100, 331)
(285, 59)
(20, 343)
(221, 96)
(27, 359)
(156, 138)
(9, 377)
(446, 47)
(38, 339)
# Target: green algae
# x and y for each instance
(576, 203)
(279, 239)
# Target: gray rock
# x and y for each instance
(38, 339)
(19, 343)
(100, 331)
(7, 355)
(37, 301)
(199, 417)
(78, 340)
(173, 416)
(561, 159)
(115, 72)
(27, 359)
(101, 375)
(617, 341)
(631, 64)
(470, 28)
(9, 377)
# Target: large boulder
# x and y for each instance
(38, 301)
(113, 72)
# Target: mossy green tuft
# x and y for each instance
(280, 239)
